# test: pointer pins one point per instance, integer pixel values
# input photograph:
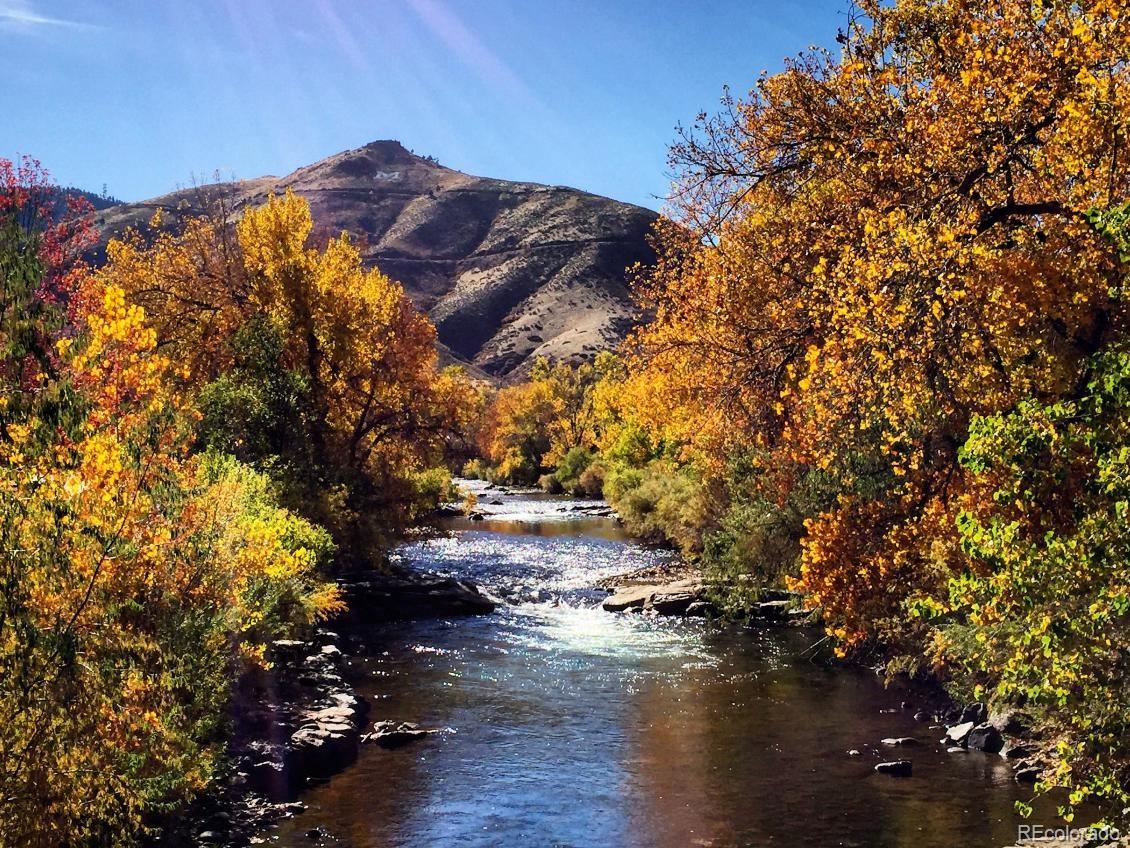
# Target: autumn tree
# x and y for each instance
(133, 575)
(873, 248)
(547, 423)
(281, 334)
(1041, 616)
(513, 434)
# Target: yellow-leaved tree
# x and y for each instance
(874, 248)
(307, 362)
(134, 576)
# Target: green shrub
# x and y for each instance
(433, 486)
(756, 542)
(573, 464)
(660, 504)
(580, 473)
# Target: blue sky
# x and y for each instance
(143, 95)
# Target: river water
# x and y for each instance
(569, 726)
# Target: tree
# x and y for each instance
(312, 340)
(877, 258)
(134, 577)
(871, 250)
(547, 421)
(1041, 615)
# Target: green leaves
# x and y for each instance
(1050, 595)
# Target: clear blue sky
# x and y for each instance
(141, 95)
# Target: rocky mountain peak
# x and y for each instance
(508, 271)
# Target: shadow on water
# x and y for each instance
(572, 726)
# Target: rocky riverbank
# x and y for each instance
(678, 589)
(971, 728)
(298, 720)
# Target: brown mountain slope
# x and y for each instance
(508, 271)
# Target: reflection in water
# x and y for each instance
(572, 726)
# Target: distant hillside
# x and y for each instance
(508, 271)
(98, 201)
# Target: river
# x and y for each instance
(569, 726)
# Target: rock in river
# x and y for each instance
(985, 737)
(773, 609)
(701, 609)
(975, 712)
(394, 734)
(1016, 752)
(410, 595)
(896, 768)
(958, 733)
(665, 598)
(673, 603)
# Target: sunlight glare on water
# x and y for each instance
(571, 630)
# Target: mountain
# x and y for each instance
(507, 270)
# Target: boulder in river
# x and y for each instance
(701, 609)
(900, 741)
(665, 599)
(672, 603)
(629, 597)
(322, 749)
(1009, 722)
(896, 768)
(959, 733)
(1016, 752)
(394, 734)
(975, 712)
(985, 737)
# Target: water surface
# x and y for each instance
(571, 726)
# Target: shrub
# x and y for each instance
(477, 469)
(134, 579)
(571, 471)
(433, 486)
(660, 504)
(551, 484)
(756, 543)
(591, 482)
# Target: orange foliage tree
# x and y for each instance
(132, 574)
(360, 360)
(872, 249)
